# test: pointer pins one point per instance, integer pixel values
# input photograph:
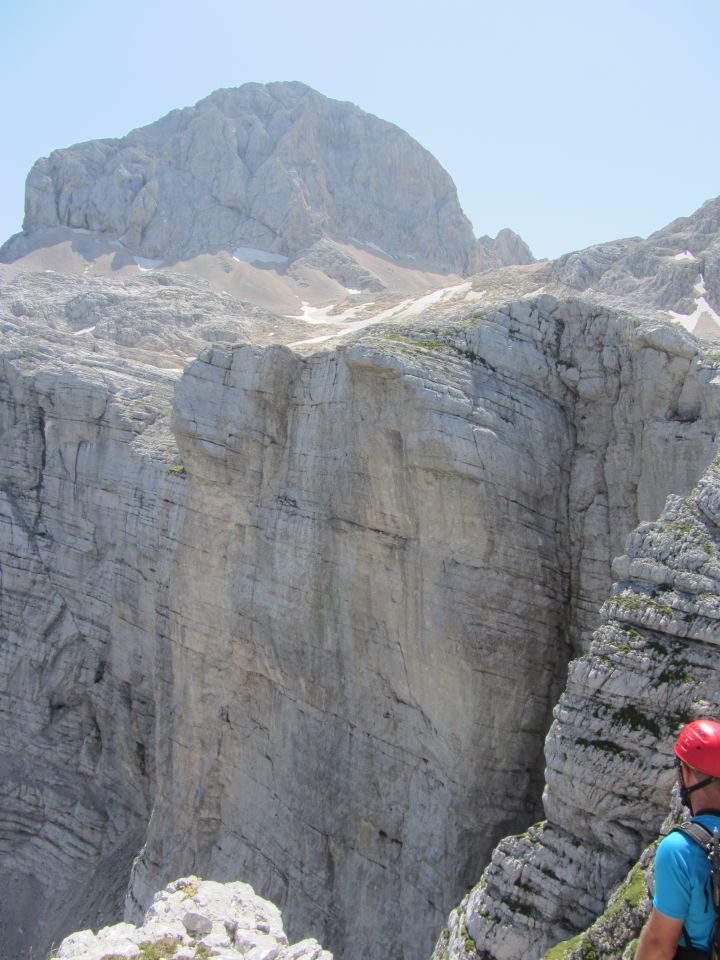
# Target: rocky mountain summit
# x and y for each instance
(270, 168)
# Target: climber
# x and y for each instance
(683, 915)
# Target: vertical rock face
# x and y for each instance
(320, 654)
(275, 166)
(85, 516)
(346, 664)
(651, 668)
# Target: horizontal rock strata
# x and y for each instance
(287, 648)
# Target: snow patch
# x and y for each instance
(691, 320)
(374, 246)
(699, 287)
(146, 264)
(253, 255)
(684, 256)
(404, 310)
(84, 330)
(322, 314)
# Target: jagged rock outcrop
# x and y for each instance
(194, 918)
(275, 167)
(662, 271)
(269, 643)
(652, 667)
(505, 250)
(328, 256)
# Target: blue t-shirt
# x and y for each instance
(683, 888)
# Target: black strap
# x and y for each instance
(691, 953)
(697, 832)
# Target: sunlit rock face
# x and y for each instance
(676, 268)
(275, 167)
(304, 624)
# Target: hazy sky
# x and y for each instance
(570, 122)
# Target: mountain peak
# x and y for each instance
(273, 166)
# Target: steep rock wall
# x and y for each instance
(424, 529)
(651, 668)
(291, 658)
(86, 514)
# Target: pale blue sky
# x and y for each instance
(570, 122)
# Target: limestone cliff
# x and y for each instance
(275, 167)
(652, 667)
(271, 629)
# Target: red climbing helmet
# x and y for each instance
(699, 746)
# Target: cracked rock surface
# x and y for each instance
(275, 167)
(651, 668)
(263, 618)
(192, 919)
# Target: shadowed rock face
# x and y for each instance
(651, 668)
(311, 636)
(275, 167)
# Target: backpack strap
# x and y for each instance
(708, 842)
(697, 832)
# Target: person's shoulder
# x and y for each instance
(677, 843)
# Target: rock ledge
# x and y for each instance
(192, 919)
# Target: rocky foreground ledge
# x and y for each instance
(193, 919)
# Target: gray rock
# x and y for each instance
(197, 924)
(505, 250)
(329, 257)
(651, 668)
(190, 918)
(274, 167)
(265, 633)
(661, 271)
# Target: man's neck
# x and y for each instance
(705, 801)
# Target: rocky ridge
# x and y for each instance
(651, 668)
(676, 269)
(193, 919)
(505, 250)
